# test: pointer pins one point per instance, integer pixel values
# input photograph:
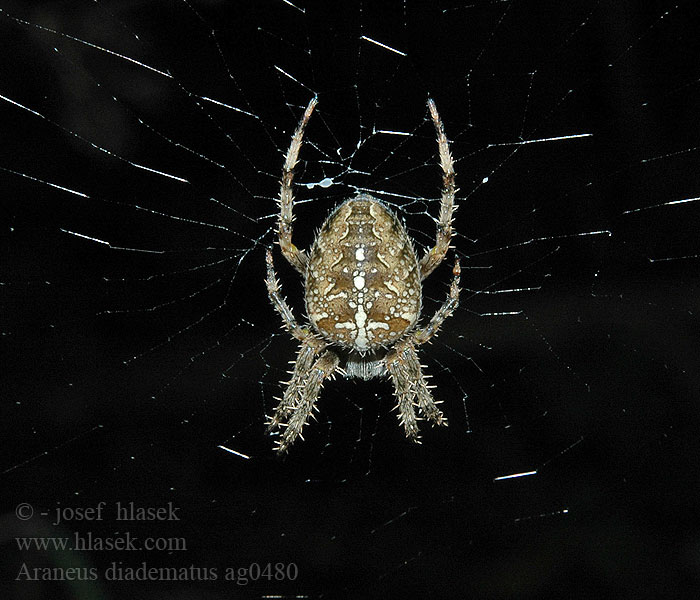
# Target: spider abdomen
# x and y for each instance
(363, 286)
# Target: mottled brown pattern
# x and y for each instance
(363, 281)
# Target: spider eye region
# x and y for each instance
(363, 287)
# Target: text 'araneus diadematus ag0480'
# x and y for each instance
(363, 298)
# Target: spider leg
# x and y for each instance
(426, 403)
(411, 390)
(398, 367)
(297, 258)
(310, 348)
(434, 256)
(306, 398)
(275, 293)
(420, 336)
(307, 354)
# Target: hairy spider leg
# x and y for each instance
(403, 364)
(311, 347)
(296, 257)
(323, 368)
(434, 256)
(422, 335)
(411, 390)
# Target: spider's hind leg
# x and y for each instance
(305, 400)
(411, 390)
(308, 351)
(311, 347)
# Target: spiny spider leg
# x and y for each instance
(275, 293)
(421, 336)
(397, 365)
(411, 390)
(310, 348)
(323, 368)
(290, 401)
(426, 403)
(434, 256)
(297, 258)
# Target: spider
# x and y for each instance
(363, 298)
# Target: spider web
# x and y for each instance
(141, 160)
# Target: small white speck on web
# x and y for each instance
(326, 182)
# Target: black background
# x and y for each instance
(126, 367)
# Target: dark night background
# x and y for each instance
(574, 352)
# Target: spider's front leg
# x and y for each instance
(434, 256)
(411, 389)
(297, 258)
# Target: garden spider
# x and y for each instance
(363, 298)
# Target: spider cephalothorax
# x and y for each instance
(363, 298)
